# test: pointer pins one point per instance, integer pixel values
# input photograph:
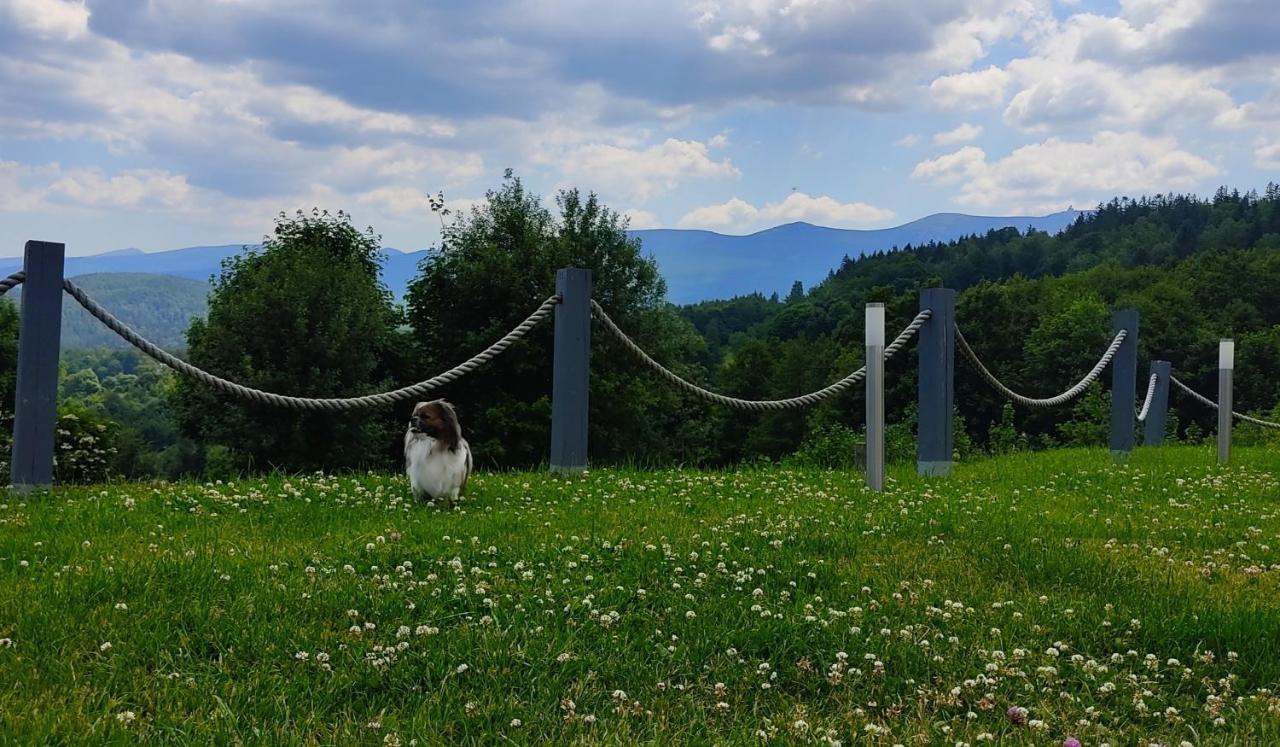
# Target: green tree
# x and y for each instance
(496, 263)
(305, 315)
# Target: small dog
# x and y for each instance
(436, 456)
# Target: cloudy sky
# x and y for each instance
(166, 123)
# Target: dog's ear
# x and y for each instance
(450, 418)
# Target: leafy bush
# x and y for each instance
(83, 449)
(1005, 437)
(830, 445)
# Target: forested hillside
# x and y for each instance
(159, 306)
(1036, 308)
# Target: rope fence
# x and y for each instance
(574, 310)
(311, 404)
(1146, 402)
(11, 282)
(1053, 401)
(756, 405)
(1210, 403)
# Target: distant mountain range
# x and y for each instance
(203, 262)
(701, 265)
(698, 265)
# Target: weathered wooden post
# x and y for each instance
(1124, 383)
(937, 347)
(36, 402)
(1226, 365)
(1157, 416)
(875, 395)
(571, 374)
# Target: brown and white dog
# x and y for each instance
(436, 456)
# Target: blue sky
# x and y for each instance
(166, 123)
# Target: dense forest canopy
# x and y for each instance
(1036, 307)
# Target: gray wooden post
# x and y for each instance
(36, 403)
(875, 395)
(937, 346)
(1226, 365)
(1157, 416)
(571, 374)
(1124, 383)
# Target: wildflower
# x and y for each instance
(105, 647)
(461, 668)
(1017, 715)
(1071, 742)
(516, 723)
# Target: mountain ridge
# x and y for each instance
(697, 264)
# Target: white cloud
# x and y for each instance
(962, 134)
(25, 188)
(907, 141)
(1055, 94)
(639, 219)
(1267, 156)
(51, 19)
(129, 189)
(404, 202)
(641, 173)
(1058, 172)
(1155, 65)
(973, 90)
(735, 212)
(739, 214)
(952, 167)
(738, 37)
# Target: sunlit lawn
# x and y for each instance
(1126, 604)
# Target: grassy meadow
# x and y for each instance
(1030, 599)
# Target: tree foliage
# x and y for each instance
(1038, 310)
(305, 315)
(496, 263)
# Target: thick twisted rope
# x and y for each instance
(756, 405)
(1206, 401)
(13, 281)
(1055, 400)
(1151, 393)
(308, 403)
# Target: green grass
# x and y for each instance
(1126, 604)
